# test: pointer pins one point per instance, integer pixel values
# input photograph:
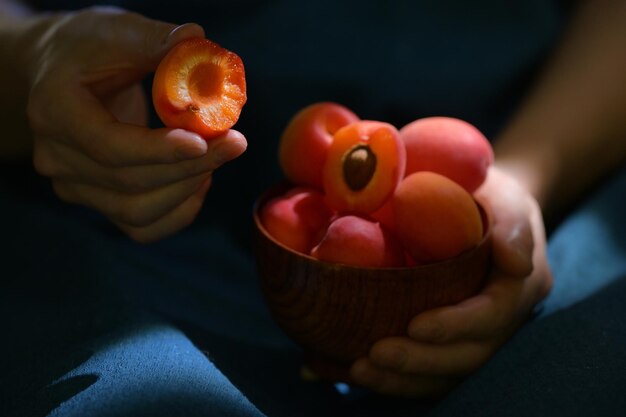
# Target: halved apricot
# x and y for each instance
(199, 86)
(365, 163)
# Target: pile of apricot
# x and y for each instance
(367, 194)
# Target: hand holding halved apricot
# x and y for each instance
(201, 87)
(95, 145)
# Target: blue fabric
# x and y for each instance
(192, 337)
(95, 325)
(588, 252)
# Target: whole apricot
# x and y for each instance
(305, 141)
(356, 241)
(297, 218)
(437, 219)
(447, 146)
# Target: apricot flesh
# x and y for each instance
(365, 164)
(438, 219)
(356, 241)
(447, 146)
(304, 144)
(297, 218)
(199, 86)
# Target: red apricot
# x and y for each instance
(305, 141)
(447, 146)
(439, 219)
(297, 218)
(355, 241)
(365, 163)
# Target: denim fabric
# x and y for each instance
(94, 325)
(180, 328)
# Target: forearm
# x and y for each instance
(571, 129)
(17, 25)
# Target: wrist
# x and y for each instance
(19, 35)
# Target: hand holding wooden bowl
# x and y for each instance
(335, 312)
(377, 227)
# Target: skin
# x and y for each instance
(572, 116)
(94, 143)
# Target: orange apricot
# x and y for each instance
(439, 219)
(305, 141)
(297, 218)
(356, 241)
(199, 86)
(365, 163)
(447, 146)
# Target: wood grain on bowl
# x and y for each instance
(336, 312)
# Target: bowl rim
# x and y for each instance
(277, 189)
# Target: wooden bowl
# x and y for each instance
(336, 312)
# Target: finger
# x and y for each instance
(128, 106)
(133, 210)
(404, 355)
(179, 218)
(47, 160)
(144, 41)
(142, 178)
(512, 243)
(509, 207)
(366, 374)
(131, 45)
(81, 121)
(136, 54)
(500, 307)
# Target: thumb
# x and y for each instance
(136, 47)
(511, 212)
(513, 243)
(155, 39)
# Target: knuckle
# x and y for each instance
(501, 320)
(101, 155)
(437, 332)
(62, 192)
(37, 110)
(130, 183)
(426, 364)
(134, 215)
(44, 162)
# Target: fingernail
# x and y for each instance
(522, 245)
(192, 149)
(174, 34)
(228, 150)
